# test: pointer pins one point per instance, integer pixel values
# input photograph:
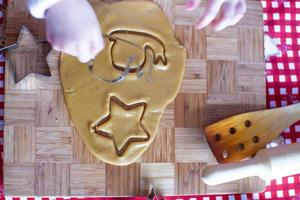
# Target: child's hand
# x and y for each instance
(72, 27)
(230, 12)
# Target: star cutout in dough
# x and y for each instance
(123, 124)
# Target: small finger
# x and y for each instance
(95, 48)
(56, 47)
(96, 45)
(240, 11)
(49, 37)
(84, 54)
(192, 4)
(236, 19)
(225, 18)
(70, 49)
(210, 14)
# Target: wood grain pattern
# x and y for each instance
(122, 180)
(30, 82)
(17, 16)
(194, 79)
(19, 179)
(251, 102)
(190, 110)
(53, 144)
(229, 50)
(52, 179)
(44, 154)
(250, 79)
(168, 118)
(162, 150)
(184, 17)
(249, 39)
(81, 154)
(159, 176)
(252, 18)
(87, 179)
(222, 77)
(188, 178)
(220, 106)
(20, 107)
(51, 102)
(19, 144)
(193, 40)
(191, 146)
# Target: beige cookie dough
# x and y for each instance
(118, 121)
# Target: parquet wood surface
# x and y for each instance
(44, 155)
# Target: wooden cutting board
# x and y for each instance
(44, 155)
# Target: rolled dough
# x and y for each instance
(118, 121)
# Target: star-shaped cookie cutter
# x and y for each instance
(29, 52)
(94, 125)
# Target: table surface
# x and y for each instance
(43, 154)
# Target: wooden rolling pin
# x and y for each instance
(267, 164)
(241, 136)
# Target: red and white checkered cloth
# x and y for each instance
(282, 23)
